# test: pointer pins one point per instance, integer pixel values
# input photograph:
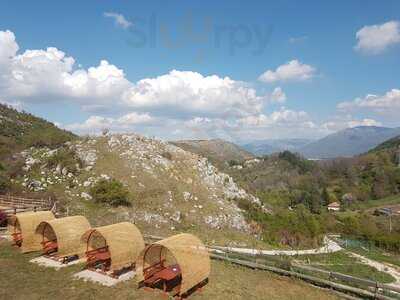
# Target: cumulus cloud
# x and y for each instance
(375, 39)
(291, 71)
(283, 116)
(8, 46)
(278, 95)
(388, 103)
(119, 19)
(52, 75)
(95, 124)
(343, 123)
(192, 93)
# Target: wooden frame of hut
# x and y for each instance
(22, 227)
(113, 247)
(178, 265)
(62, 237)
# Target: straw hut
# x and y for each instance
(113, 247)
(63, 236)
(183, 254)
(22, 228)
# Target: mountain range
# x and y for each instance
(349, 142)
(265, 147)
(344, 143)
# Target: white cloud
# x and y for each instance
(190, 93)
(52, 75)
(282, 117)
(388, 103)
(278, 95)
(119, 19)
(8, 46)
(340, 124)
(95, 124)
(291, 71)
(375, 39)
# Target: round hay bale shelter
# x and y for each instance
(22, 227)
(183, 255)
(62, 237)
(113, 247)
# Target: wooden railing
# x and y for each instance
(12, 204)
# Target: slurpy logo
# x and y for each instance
(202, 35)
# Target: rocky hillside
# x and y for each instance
(173, 190)
(216, 150)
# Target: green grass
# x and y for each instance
(377, 203)
(20, 279)
(378, 255)
(340, 262)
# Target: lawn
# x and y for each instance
(377, 203)
(378, 255)
(340, 262)
(20, 279)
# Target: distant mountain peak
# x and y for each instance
(349, 142)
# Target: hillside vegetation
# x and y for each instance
(21, 130)
(133, 178)
(300, 190)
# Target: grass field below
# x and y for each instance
(20, 279)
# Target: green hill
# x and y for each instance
(391, 144)
(20, 130)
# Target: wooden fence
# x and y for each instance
(12, 204)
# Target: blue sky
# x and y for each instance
(340, 51)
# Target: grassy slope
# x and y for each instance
(20, 279)
(373, 204)
(217, 151)
(342, 263)
(24, 130)
(389, 144)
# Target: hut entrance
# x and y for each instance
(113, 249)
(179, 265)
(161, 270)
(22, 227)
(61, 238)
(97, 252)
(49, 240)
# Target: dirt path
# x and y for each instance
(329, 246)
(380, 267)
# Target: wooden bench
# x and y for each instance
(100, 256)
(17, 238)
(49, 246)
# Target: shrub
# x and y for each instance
(4, 183)
(111, 192)
(167, 155)
(66, 158)
(233, 162)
